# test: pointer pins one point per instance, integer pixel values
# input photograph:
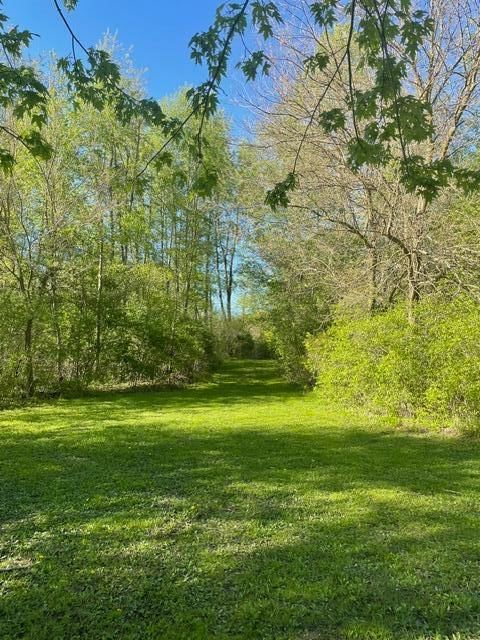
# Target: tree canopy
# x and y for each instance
(386, 116)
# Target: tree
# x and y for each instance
(388, 37)
(107, 277)
(372, 203)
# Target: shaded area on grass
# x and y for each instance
(233, 510)
(240, 382)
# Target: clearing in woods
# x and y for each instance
(237, 509)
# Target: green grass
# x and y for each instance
(238, 509)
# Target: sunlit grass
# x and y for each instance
(241, 508)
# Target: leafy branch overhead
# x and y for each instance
(21, 90)
(91, 74)
(387, 120)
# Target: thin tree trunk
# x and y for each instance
(98, 317)
(413, 293)
(229, 287)
(414, 259)
(373, 274)
(29, 366)
(219, 280)
(58, 331)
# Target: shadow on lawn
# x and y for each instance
(306, 534)
(239, 382)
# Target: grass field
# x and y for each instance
(238, 509)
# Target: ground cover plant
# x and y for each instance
(238, 508)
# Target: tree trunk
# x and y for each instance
(373, 276)
(414, 259)
(58, 332)
(29, 366)
(98, 316)
(413, 293)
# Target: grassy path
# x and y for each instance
(239, 509)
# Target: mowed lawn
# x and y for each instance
(237, 509)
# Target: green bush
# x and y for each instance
(147, 338)
(429, 370)
(454, 361)
(292, 316)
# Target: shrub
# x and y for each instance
(147, 338)
(430, 369)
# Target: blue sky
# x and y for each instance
(158, 31)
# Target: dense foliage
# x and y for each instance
(141, 244)
(371, 290)
(105, 276)
(429, 370)
(123, 230)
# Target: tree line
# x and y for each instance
(109, 272)
(373, 289)
(349, 216)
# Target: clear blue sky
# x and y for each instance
(158, 31)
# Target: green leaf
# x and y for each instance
(279, 195)
(7, 161)
(324, 12)
(362, 152)
(317, 62)
(332, 120)
(263, 15)
(250, 66)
